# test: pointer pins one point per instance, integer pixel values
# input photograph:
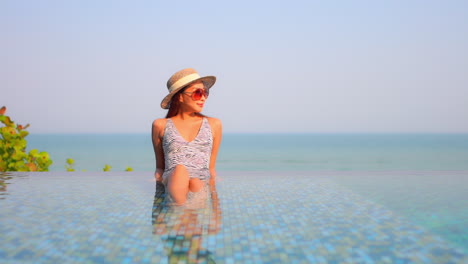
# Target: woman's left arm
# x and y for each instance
(217, 130)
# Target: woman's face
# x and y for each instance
(189, 98)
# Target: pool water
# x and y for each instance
(251, 217)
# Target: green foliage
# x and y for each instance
(71, 163)
(107, 168)
(13, 156)
(69, 166)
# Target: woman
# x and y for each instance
(186, 143)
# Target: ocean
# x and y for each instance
(268, 152)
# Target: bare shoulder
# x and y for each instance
(215, 123)
(159, 124)
(216, 127)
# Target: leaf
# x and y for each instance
(44, 155)
(24, 133)
(31, 166)
(7, 121)
(107, 168)
(8, 133)
(43, 160)
(18, 155)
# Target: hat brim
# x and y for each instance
(208, 81)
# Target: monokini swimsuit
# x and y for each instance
(194, 155)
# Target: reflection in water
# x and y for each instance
(182, 228)
(4, 181)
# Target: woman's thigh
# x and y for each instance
(180, 177)
(195, 184)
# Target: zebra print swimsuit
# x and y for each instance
(194, 155)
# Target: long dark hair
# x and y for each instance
(174, 106)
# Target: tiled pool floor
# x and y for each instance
(262, 217)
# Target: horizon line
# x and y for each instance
(267, 133)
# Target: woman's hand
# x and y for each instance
(212, 177)
(158, 175)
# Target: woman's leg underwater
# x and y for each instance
(179, 184)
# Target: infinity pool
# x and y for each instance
(253, 217)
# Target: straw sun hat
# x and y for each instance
(182, 79)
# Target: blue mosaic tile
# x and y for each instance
(259, 217)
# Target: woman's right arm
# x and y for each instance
(157, 133)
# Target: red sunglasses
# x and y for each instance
(198, 93)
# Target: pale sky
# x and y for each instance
(282, 66)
